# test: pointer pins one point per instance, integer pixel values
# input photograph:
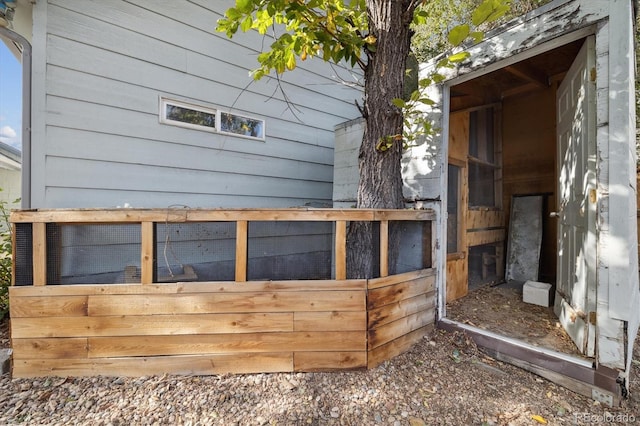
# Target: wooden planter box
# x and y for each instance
(215, 327)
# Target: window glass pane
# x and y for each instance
(190, 116)
(453, 202)
(481, 185)
(241, 125)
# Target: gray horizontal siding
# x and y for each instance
(65, 197)
(101, 144)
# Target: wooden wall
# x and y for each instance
(188, 328)
(529, 161)
(478, 226)
(99, 70)
(216, 328)
(401, 310)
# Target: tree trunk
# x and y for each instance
(380, 184)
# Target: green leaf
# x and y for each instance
(458, 34)
(244, 6)
(291, 61)
(246, 23)
(400, 103)
(489, 11)
(482, 12)
(459, 57)
(477, 36)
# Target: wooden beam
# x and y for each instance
(146, 253)
(208, 364)
(528, 73)
(241, 250)
(384, 248)
(175, 215)
(39, 253)
(341, 250)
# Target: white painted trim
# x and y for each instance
(39, 105)
(210, 110)
(529, 53)
(444, 161)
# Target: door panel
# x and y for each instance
(575, 286)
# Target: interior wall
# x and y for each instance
(529, 161)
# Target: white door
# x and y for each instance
(576, 286)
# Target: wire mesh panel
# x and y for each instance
(196, 251)
(23, 255)
(289, 250)
(414, 246)
(93, 254)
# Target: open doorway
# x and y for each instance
(503, 150)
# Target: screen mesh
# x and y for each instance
(92, 254)
(414, 242)
(195, 251)
(23, 254)
(289, 250)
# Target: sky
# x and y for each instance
(10, 98)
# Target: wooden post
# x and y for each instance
(241, 250)
(428, 229)
(384, 248)
(146, 258)
(39, 253)
(341, 250)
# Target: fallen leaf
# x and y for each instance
(539, 419)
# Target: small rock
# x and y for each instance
(414, 421)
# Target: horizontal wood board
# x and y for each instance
(400, 310)
(217, 327)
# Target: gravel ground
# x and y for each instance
(442, 380)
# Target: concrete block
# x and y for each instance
(536, 293)
(5, 361)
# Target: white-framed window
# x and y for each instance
(199, 117)
(241, 125)
(188, 115)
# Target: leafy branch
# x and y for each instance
(416, 123)
(6, 260)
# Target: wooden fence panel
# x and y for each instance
(401, 310)
(216, 327)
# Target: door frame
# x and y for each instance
(582, 376)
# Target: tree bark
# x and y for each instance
(380, 184)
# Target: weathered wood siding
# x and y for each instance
(100, 69)
(401, 310)
(345, 168)
(188, 328)
(529, 162)
(618, 295)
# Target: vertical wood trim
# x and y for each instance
(428, 248)
(384, 248)
(341, 250)
(146, 257)
(435, 247)
(39, 253)
(241, 250)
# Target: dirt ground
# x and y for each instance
(442, 380)
(500, 309)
